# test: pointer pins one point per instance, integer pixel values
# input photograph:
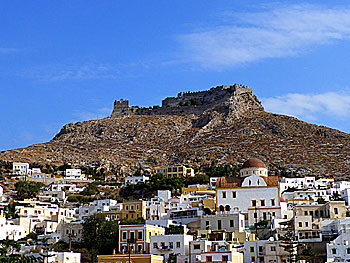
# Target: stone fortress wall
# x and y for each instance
(188, 102)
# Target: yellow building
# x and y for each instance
(139, 235)
(134, 258)
(192, 189)
(176, 170)
(133, 209)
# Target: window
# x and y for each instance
(132, 235)
(273, 202)
(336, 211)
(139, 235)
(253, 202)
(273, 248)
(251, 249)
(232, 223)
(171, 244)
(209, 259)
(224, 195)
(155, 245)
(131, 207)
(224, 258)
(234, 194)
(305, 213)
(300, 224)
(306, 224)
(126, 207)
(137, 207)
(139, 248)
(162, 244)
(178, 244)
(334, 251)
(260, 249)
(255, 215)
(348, 250)
(219, 224)
(262, 202)
(197, 246)
(312, 213)
(124, 235)
(252, 259)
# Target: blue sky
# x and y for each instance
(67, 61)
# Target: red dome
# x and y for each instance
(254, 162)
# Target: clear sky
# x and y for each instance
(67, 61)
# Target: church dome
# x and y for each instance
(254, 163)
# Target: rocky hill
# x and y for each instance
(227, 123)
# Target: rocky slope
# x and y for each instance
(233, 130)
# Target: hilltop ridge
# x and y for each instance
(227, 123)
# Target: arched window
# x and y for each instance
(222, 208)
(227, 208)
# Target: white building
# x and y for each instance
(229, 221)
(20, 168)
(74, 174)
(71, 188)
(9, 230)
(254, 192)
(307, 182)
(168, 244)
(67, 257)
(338, 250)
(136, 179)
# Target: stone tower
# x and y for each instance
(121, 107)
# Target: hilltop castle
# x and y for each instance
(221, 98)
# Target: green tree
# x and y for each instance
(336, 197)
(99, 235)
(26, 190)
(8, 246)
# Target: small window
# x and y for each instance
(232, 223)
(252, 259)
(155, 245)
(262, 202)
(234, 194)
(253, 202)
(334, 251)
(209, 259)
(348, 250)
(251, 249)
(223, 195)
(305, 213)
(139, 235)
(300, 224)
(126, 207)
(260, 249)
(197, 246)
(225, 258)
(171, 245)
(273, 203)
(178, 244)
(273, 248)
(336, 211)
(124, 235)
(306, 224)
